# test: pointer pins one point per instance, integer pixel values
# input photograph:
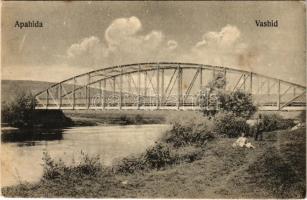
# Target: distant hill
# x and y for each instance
(9, 88)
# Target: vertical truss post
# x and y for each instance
(114, 85)
(179, 86)
(139, 87)
(100, 93)
(269, 92)
(162, 87)
(251, 83)
(86, 92)
(121, 89)
(129, 84)
(74, 94)
(47, 94)
(158, 87)
(278, 95)
(89, 91)
(145, 84)
(200, 83)
(200, 78)
(104, 94)
(244, 82)
(60, 95)
(85, 100)
(225, 72)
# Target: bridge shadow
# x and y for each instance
(31, 135)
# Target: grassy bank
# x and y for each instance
(275, 169)
(124, 117)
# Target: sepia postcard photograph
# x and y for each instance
(153, 99)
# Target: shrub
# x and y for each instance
(159, 156)
(125, 120)
(273, 122)
(19, 113)
(131, 164)
(188, 134)
(302, 116)
(53, 169)
(238, 102)
(88, 165)
(228, 124)
(138, 119)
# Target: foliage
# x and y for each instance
(218, 82)
(125, 119)
(302, 116)
(53, 169)
(273, 122)
(19, 113)
(88, 165)
(131, 164)
(159, 156)
(194, 132)
(238, 102)
(215, 98)
(228, 124)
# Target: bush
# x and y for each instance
(272, 122)
(159, 156)
(228, 124)
(302, 116)
(189, 134)
(53, 169)
(88, 165)
(238, 102)
(131, 164)
(19, 113)
(138, 119)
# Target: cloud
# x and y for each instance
(121, 29)
(88, 52)
(87, 45)
(123, 43)
(172, 44)
(222, 48)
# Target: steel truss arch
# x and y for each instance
(91, 91)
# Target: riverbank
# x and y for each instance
(275, 169)
(125, 117)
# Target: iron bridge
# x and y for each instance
(165, 85)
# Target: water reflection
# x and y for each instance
(30, 135)
(21, 157)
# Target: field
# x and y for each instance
(275, 169)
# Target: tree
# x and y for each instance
(20, 111)
(208, 98)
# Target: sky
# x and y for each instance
(77, 37)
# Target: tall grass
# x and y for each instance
(56, 169)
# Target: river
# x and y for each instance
(21, 160)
